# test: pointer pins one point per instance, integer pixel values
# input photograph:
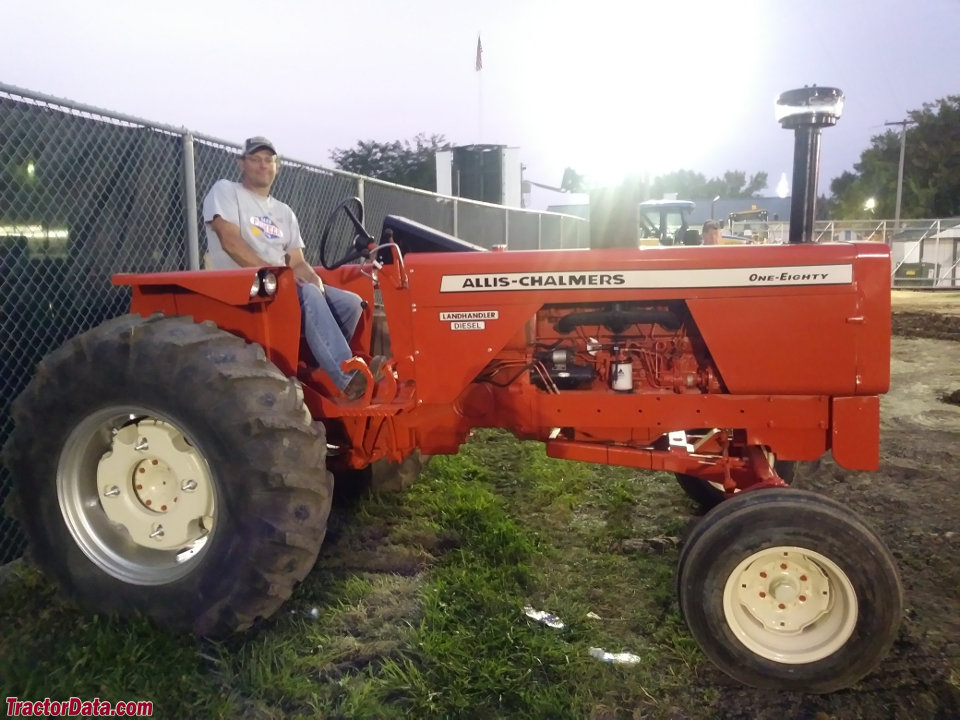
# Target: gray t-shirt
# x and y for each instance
(267, 225)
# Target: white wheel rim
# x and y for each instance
(136, 495)
(790, 605)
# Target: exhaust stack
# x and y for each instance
(806, 110)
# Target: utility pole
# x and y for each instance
(903, 146)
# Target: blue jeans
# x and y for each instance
(329, 320)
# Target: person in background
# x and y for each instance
(712, 232)
(247, 227)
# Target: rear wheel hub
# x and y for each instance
(164, 489)
(136, 495)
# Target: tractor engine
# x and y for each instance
(626, 347)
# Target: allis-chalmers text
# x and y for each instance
(839, 274)
(544, 280)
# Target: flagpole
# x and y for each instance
(479, 70)
(480, 107)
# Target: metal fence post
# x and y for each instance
(360, 190)
(936, 256)
(456, 218)
(190, 203)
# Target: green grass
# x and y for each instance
(415, 610)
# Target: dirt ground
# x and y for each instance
(913, 502)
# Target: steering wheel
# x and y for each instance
(358, 247)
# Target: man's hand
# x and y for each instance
(302, 270)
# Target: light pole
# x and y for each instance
(903, 146)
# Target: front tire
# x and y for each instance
(381, 476)
(167, 467)
(708, 495)
(788, 590)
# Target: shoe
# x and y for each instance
(376, 366)
(358, 383)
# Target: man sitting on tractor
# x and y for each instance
(248, 227)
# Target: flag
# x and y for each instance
(479, 66)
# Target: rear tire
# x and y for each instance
(167, 467)
(784, 589)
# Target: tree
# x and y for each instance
(931, 171)
(690, 184)
(404, 162)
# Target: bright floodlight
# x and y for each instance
(783, 187)
(814, 105)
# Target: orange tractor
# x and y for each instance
(179, 460)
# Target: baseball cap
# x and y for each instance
(712, 225)
(251, 145)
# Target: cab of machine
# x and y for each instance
(665, 222)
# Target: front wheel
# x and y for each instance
(382, 476)
(785, 589)
(167, 467)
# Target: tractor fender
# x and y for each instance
(227, 286)
(227, 298)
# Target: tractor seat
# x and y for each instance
(413, 237)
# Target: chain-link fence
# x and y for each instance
(85, 193)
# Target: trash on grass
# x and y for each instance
(593, 616)
(311, 613)
(620, 657)
(542, 616)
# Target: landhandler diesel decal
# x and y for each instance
(469, 319)
(637, 279)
